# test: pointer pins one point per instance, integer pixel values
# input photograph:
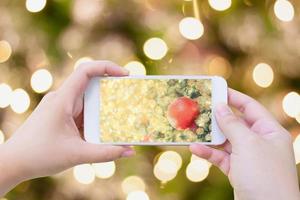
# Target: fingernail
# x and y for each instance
(223, 110)
(128, 153)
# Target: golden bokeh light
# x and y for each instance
(172, 156)
(284, 10)
(41, 81)
(104, 170)
(137, 195)
(296, 146)
(84, 174)
(5, 51)
(263, 75)
(35, 5)
(197, 170)
(291, 104)
(19, 101)
(81, 61)
(5, 95)
(2, 137)
(219, 66)
(133, 183)
(220, 5)
(155, 48)
(135, 68)
(191, 28)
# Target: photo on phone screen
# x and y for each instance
(155, 110)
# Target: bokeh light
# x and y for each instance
(296, 146)
(104, 170)
(165, 170)
(41, 80)
(133, 183)
(263, 75)
(135, 68)
(35, 5)
(219, 66)
(5, 51)
(137, 195)
(172, 156)
(155, 48)
(19, 101)
(194, 157)
(284, 10)
(5, 95)
(197, 170)
(2, 137)
(81, 61)
(84, 173)
(191, 28)
(291, 104)
(220, 5)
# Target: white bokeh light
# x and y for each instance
(137, 195)
(291, 104)
(19, 101)
(41, 80)
(104, 170)
(135, 68)
(191, 28)
(220, 5)
(133, 183)
(172, 156)
(35, 5)
(155, 48)
(5, 51)
(5, 95)
(284, 10)
(197, 170)
(84, 173)
(165, 170)
(263, 75)
(2, 137)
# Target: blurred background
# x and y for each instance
(254, 44)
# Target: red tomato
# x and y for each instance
(182, 113)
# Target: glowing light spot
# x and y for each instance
(220, 5)
(41, 80)
(133, 183)
(165, 170)
(137, 195)
(5, 95)
(35, 5)
(84, 173)
(296, 146)
(5, 51)
(219, 66)
(291, 104)
(104, 170)
(172, 156)
(194, 157)
(81, 61)
(20, 101)
(263, 75)
(284, 10)
(197, 170)
(155, 48)
(2, 137)
(135, 68)
(191, 28)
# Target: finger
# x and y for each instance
(231, 126)
(92, 153)
(251, 109)
(217, 157)
(77, 82)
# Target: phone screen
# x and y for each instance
(155, 110)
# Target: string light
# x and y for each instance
(133, 183)
(5, 95)
(2, 137)
(137, 195)
(284, 10)
(263, 75)
(220, 5)
(197, 170)
(20, 101)
(84, 173)
(291, 104)
(191, 28)
(296, 146)
(35, 5)
(104, 170)
(135, 68)
(5, 51)
(155, 48)
(81, 61)
(41, 80)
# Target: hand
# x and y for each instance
(258, 156)
(50, 140)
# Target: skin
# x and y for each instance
(50, 140)
(258, 157)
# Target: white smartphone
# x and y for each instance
(153, 110)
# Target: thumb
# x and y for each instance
(93, 153)
(233, 129)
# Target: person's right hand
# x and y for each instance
(258, 156)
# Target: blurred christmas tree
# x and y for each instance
(255, 45)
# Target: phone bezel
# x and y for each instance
(92, 103)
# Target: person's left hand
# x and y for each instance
(50, 140)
